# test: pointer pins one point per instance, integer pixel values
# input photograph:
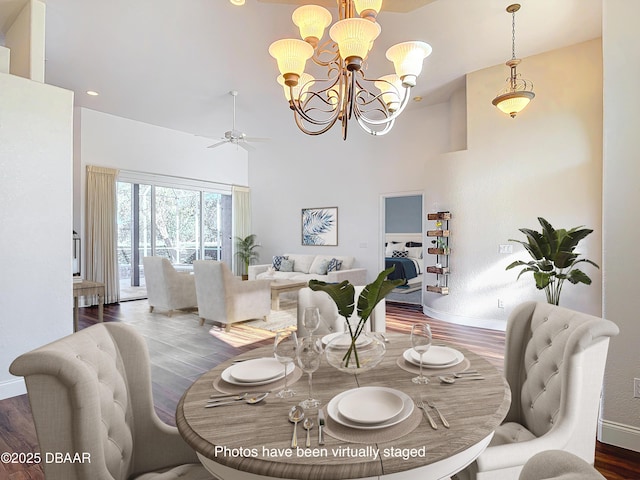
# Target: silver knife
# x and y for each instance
(320, 427)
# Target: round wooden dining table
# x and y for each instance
(251, 442)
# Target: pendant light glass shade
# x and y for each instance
(513, 103)
(364, 5)
(354, 36)
(237, 2)
(291, 55)
(407, 59)
(392, 90)
(299, 90)
(311, 20)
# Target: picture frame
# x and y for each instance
(320, 226)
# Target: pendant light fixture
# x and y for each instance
(518, 92)
(339, 90)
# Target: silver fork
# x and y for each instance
(420, 405)
(444, 420)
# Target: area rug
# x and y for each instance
(252, 331)
(413, 287)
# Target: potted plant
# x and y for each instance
(554, 259)
(246, 251)
(349, 354)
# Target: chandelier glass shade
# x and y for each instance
(518, 92)
(340, 91)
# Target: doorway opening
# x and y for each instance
(403, 244)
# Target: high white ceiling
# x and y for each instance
(172, 62)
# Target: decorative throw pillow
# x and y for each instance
(334, 265)
(320, 267)
(399, 254)
(414, 244)
(391, 246)
(277, 261)
(286, 265)
(414, 252)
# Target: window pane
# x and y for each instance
(177, 214)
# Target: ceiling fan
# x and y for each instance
(237, 137)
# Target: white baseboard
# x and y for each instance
(619, 435)
(500, 325)
(12, 388)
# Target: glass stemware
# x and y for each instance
(284, 349)
(309, 355)
(311, 319)
(421, 341)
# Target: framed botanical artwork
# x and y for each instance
(320, 226)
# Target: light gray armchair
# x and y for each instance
(90, 394)
(225, 298)
(331, 320)
(558, 465)
(168, 289)
(554, 362)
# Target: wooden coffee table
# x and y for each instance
(281, 286)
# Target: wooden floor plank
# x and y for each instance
(181, 351)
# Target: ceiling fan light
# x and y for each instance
(407, 58)
(514, 102)
(311, 20)
(299, 90)
(354, 37)
(291, 55)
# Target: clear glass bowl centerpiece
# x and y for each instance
(355, 355)
(357, 349)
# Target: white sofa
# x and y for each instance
(307, 267)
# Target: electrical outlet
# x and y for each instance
(636, 388)
(500, 303)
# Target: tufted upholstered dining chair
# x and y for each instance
(225, 298)
(554, 363)
(168, 289)
(558, 465)
(90, 394)
(331, 321)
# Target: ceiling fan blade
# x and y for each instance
(218, 144)
(257, 139)
(246, 146)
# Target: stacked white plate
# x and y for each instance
(368, 408)
(258, 371)
(435, 357)
(345, 340)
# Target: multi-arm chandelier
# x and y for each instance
(342, 91)
(518, 92)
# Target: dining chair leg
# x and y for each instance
(201, 321)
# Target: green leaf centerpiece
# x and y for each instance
(343, 295)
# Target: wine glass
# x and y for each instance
(284, 350)
(421, 341)
(311, 319)
(309, 354)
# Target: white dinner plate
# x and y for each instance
(412, 357)
(370, 406)
(346, 343)
(407, 409)
(226, 376)
(256, 370)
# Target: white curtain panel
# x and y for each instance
(101, 231)
(241, 221)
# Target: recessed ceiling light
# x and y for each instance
(237, 2)
(417, 99)
(92, 93)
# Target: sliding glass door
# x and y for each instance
(180, 224)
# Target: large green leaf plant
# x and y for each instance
(246, 250)
(343, 295)
(554, 258)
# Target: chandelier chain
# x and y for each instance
(513, 35)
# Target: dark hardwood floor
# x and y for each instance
(182, 350)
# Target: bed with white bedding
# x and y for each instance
(405, 252)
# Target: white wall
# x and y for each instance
(621, 223)
(25, 39)
(109, 141)
(297, 171)
(35, 213)
(546, 162)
